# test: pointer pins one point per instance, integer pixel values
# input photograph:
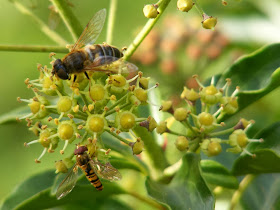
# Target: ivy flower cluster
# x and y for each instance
(80, 112)
(204, 127)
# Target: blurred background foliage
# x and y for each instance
(243, 26)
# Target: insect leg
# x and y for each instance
(86, 75)
(75, 77)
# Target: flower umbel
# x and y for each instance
(203, 123)
(82, 111)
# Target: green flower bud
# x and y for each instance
(211, 147)
(206, 119)
(189, 95)
(96, 123)
(44, 139)
(144, 82)
(137, 147)
(117, 80)
(162, 127)
(230, 105)
(166, 106)
(65, 104)
(35, 106)
(97, 92)
(150, 11)
(127, 120)
(60, 167)
(242, 124)
(66, 131)
(150, 124)
(214, 148)
(35, 127)
(68, 162)
(210, 95)
(209, 22)
(141, 94)
(238, 140)
(181, 114)
(184, 5)
(182, 143)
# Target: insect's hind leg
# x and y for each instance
(75, 77)
(86, 75)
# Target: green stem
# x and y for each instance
(219, 133)
(194, 145)
(199, 9)
(44, 28)
(242, 187)
(117, 102)
(118, 137)
(153, 150)
(176, 133)
(34, 48)
(68, 18)
(113, 110)
(146, 29)
(141, 119)
(220, 117)
(146, 200)
(186, 123)
(84, 99)
(111, 21)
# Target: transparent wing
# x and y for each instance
(111, 64)
(54, 18)
(92, 30)
(106, 171)
(67, 185)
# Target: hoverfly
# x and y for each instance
(87, 56)
(92, 169)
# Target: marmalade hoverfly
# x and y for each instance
(93, 169)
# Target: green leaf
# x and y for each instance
(121, 163)
(267, 154)
(12, 115)
(256, 74)
(35, 193)
(262, 193)
(187, 190)
(216, 174)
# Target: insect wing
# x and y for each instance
(106, 171)
(111, 64)
(92, 30)
(54, 18)
(67, 185)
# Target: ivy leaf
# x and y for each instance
(262, 193)
(187, 190)
(12, 115)
(216, 174)
(267, 154)
(256, 74)
(35, 193)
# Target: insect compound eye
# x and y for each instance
(61, 73)
(80, 150)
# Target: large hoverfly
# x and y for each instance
(87, 56)
(93, 169)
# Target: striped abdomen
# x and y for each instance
(92, 177)
(102, 54)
